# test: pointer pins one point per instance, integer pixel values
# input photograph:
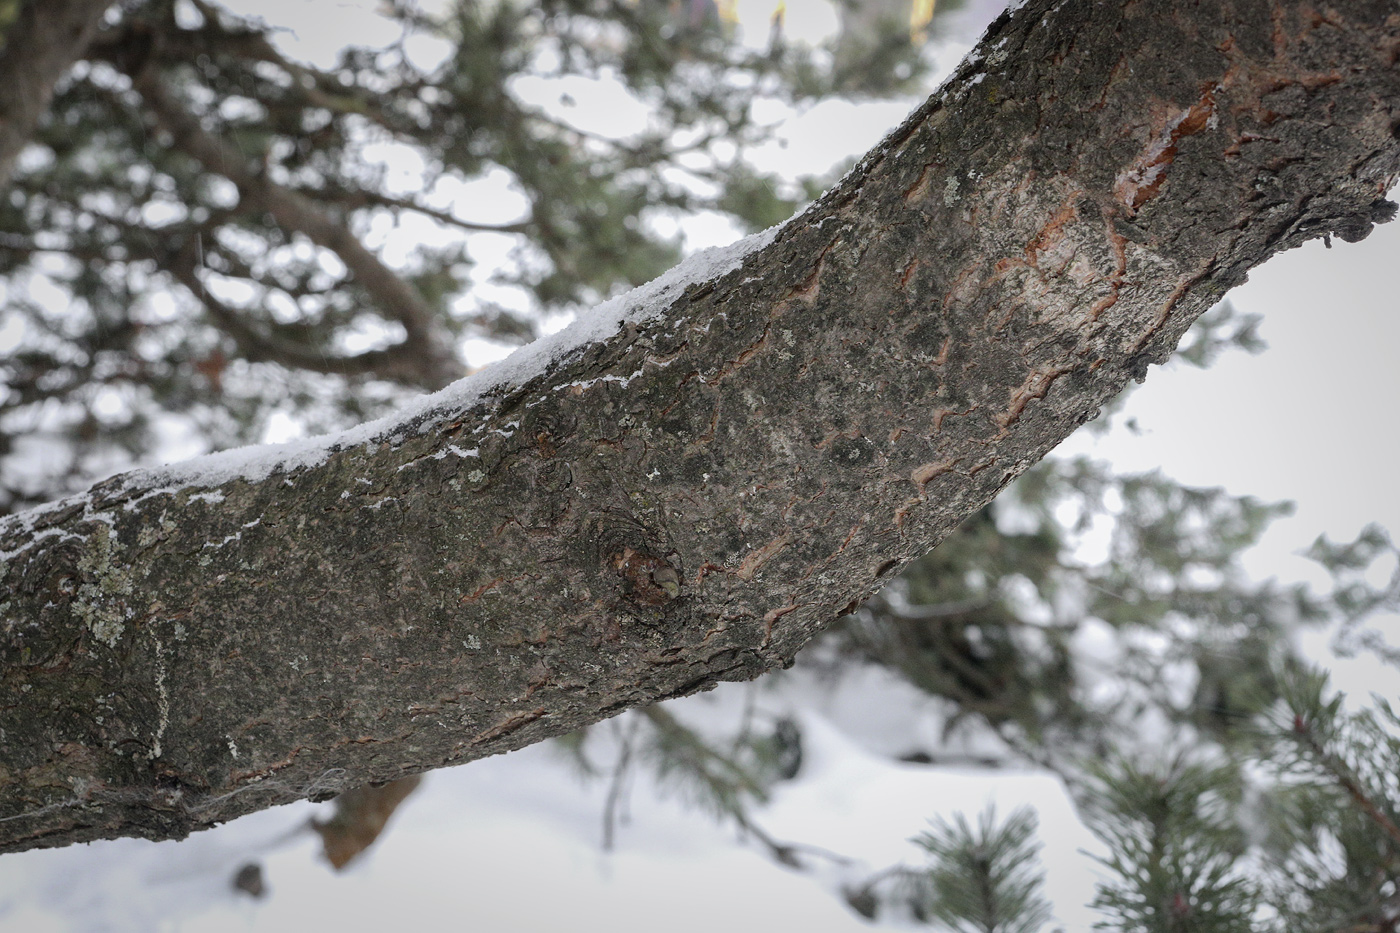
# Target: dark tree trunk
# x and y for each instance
(692, 498)
(39, 48)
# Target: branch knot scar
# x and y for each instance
(648, 580)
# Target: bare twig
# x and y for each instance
(363, 198)
(615, 786)
(398, 362)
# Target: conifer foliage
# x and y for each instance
(201, 239)
(984, 879)
(215, 213)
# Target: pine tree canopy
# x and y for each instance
(207, 241)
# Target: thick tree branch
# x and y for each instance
(427, 340)
(39, 48)
(690, 499)
(132, 46)
(399, 362)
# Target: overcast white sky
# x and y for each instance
(511, 844)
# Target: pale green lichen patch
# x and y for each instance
(950, 191)
(163, 702)
(99, 602)
(153, 532)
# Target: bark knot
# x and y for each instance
(647, 580)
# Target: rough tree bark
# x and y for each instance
(691, 499)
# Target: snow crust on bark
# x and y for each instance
(256, 462)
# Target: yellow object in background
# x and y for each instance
(920, 13)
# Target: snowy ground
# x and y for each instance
(514, 844)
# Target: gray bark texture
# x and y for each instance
(690, 500)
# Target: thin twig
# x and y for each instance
(615, 786)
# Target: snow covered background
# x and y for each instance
(514, 843)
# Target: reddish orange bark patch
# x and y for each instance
(760, 556)
(1036, 385)
(1143, 179)
(926, 473)
(508, 725)
(1051, 233)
